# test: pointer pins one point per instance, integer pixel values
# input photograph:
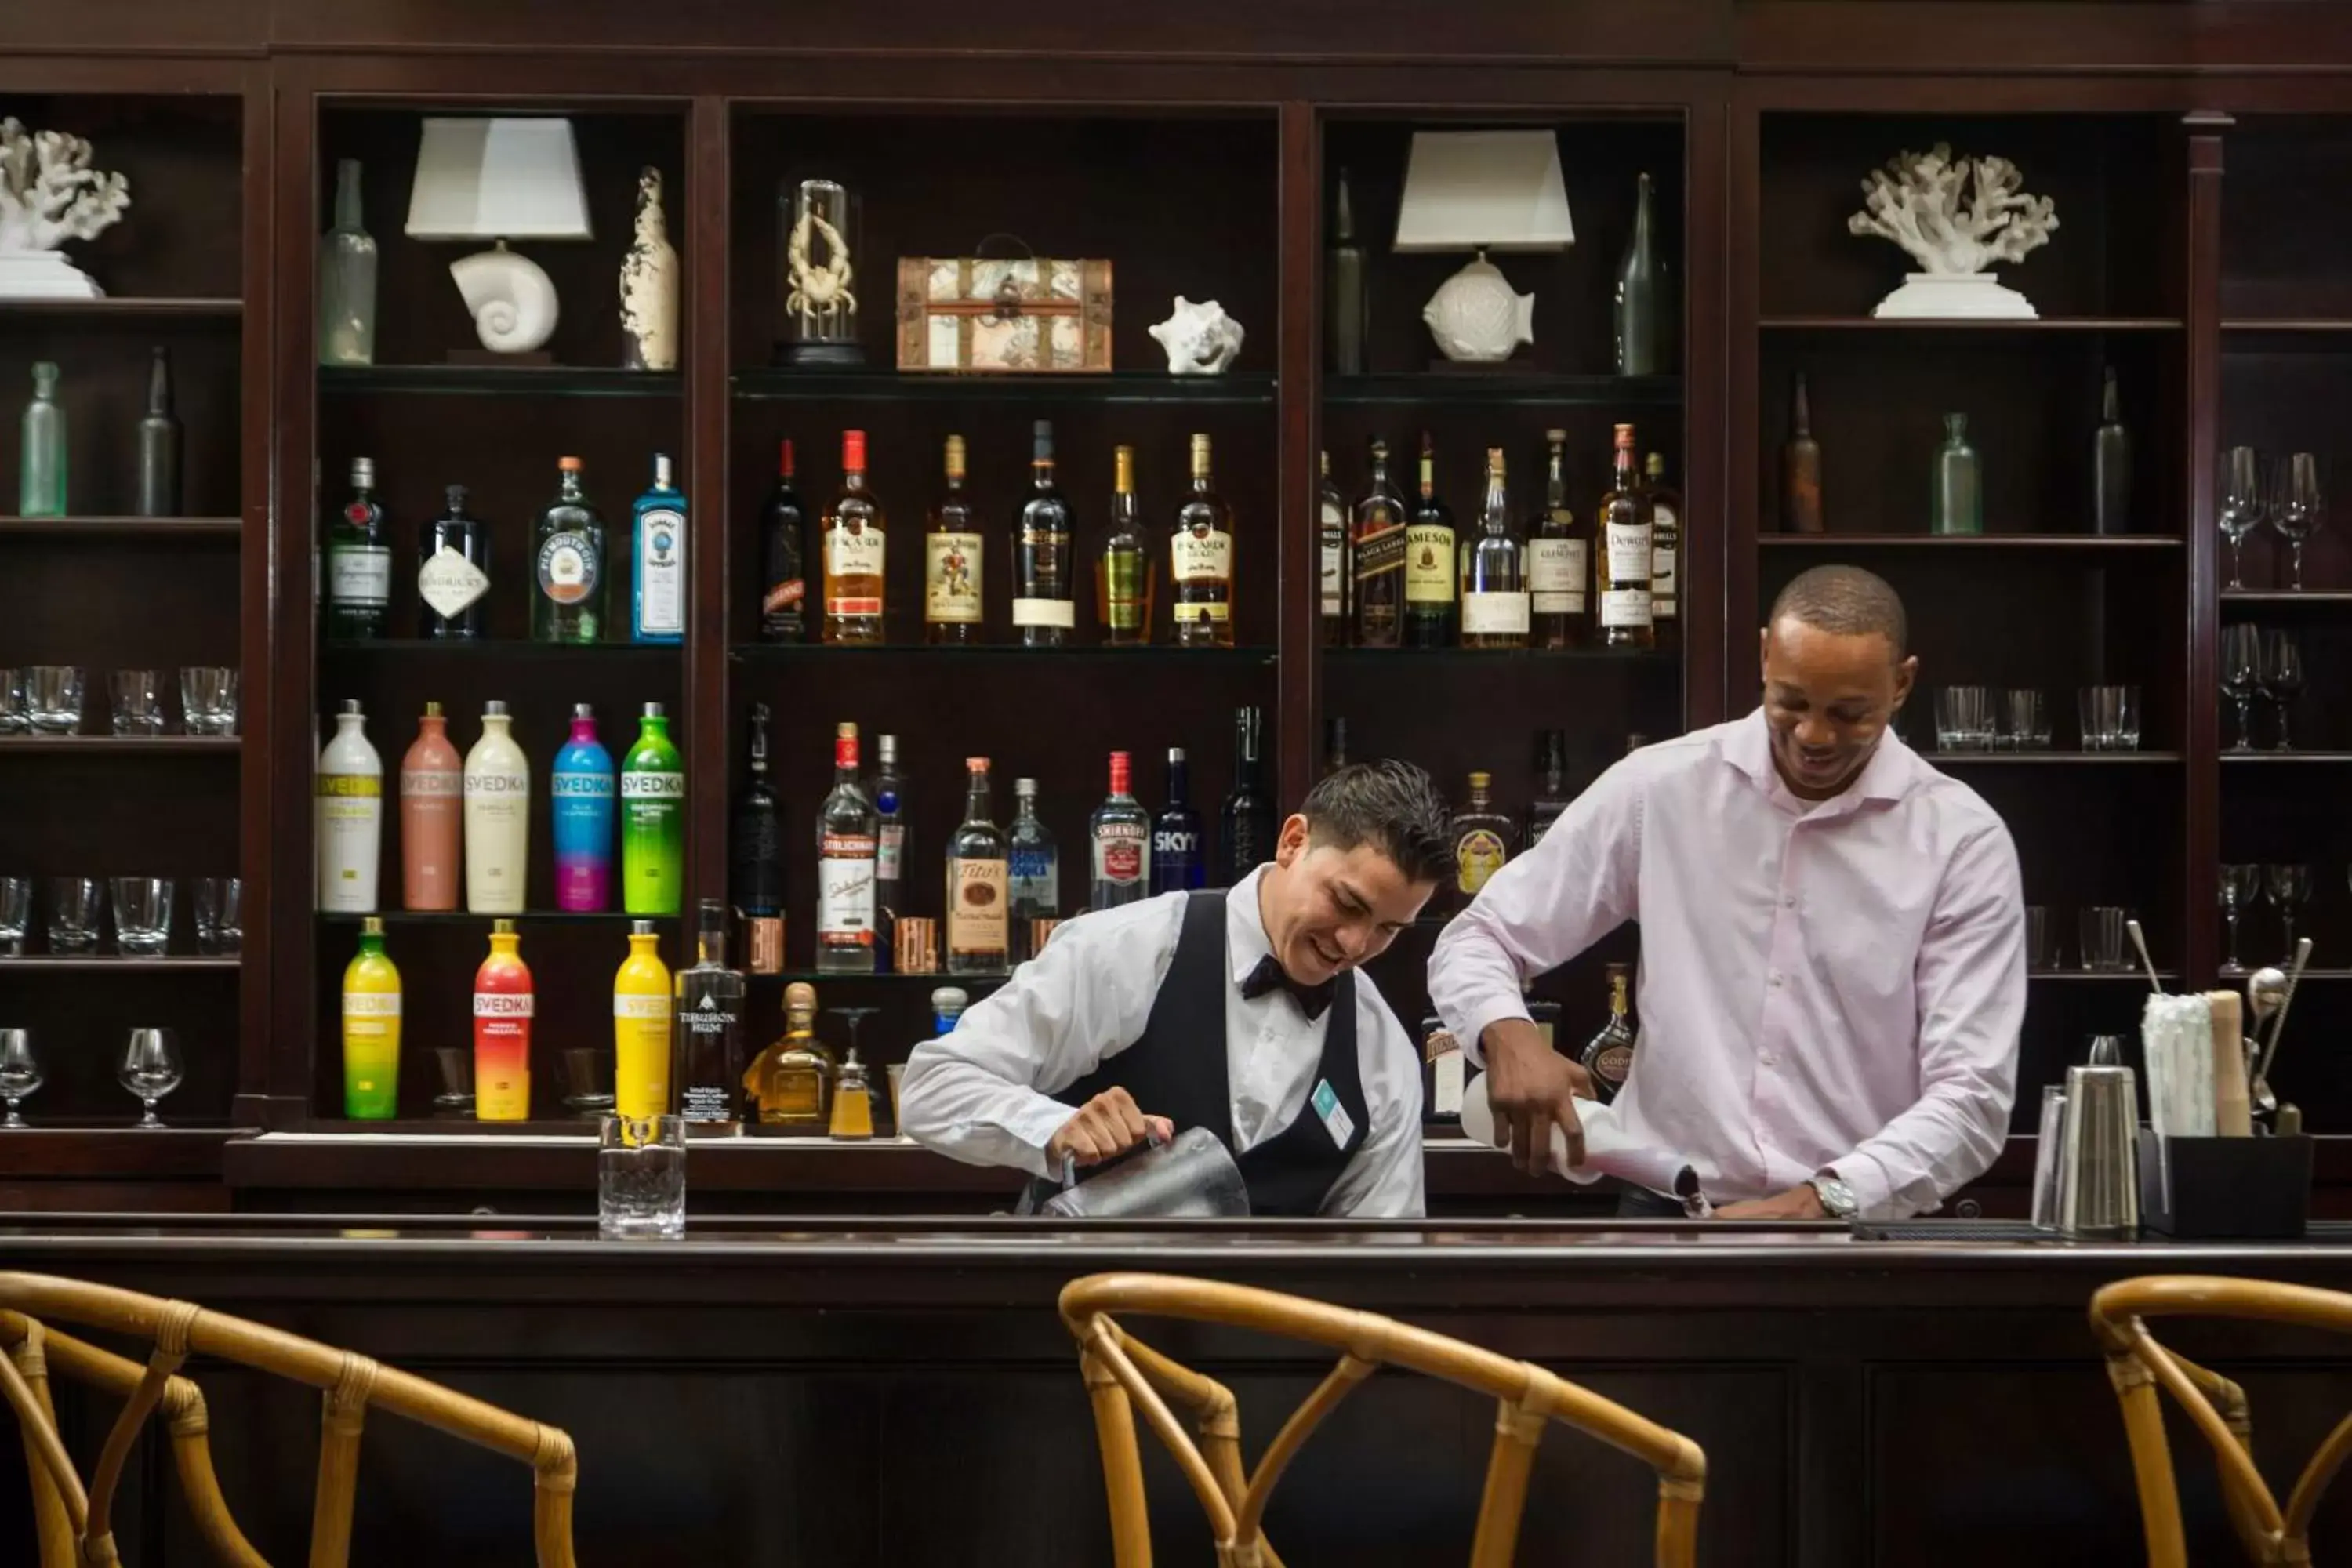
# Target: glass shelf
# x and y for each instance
(1245, 387)
(121, 745)
(1397, 658)
(2042, 759)
(130, 307)
(115, 964)
(501, 380)
(467, 918)
(1151, 653)
(1993, 324)
(2121, 544)
(121, 527)
(492, 647)
(1508, 386)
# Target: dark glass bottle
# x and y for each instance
(1337, 584)
(1335, 744)
(568, 606)
(1552, 795)
(1378, 538)
(1637, 295)
(359, 562)
(1177, 861)
(1043, 611)
(1483, 839)
(707, 1031)
(1125, 574)
(1429, 565)
(889, 840)
(453, 572)
(1560, 563)
(784, 531)
(1344, 296)
(1119, 842)
(159, 443)
(1608, 1057)
(2111, 465)
(1957, 503)
(1801, 466)
(1033, 869)
(1248, 816)
(755, 871)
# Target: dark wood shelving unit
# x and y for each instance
(2109, 543)
(1246, 389)
(2242, 758)
(492, 648)
(467, 917)
(95, 528)
(1156, 654)
(1990, 326)
(116, 963)
(1564, 390)
(499, 381)
(2049, 758)
(121, 745)
(132, 306)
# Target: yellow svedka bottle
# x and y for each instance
(641, 1044)
(371, 1030)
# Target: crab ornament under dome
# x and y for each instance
(1956, 216)
(48, 195)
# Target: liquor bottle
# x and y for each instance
(978, 897)
(949, 1005)
(1801, 466)
(891, 836)
(1177, 861)
(653, 819)
(1033, 871)
(1558, 559)
(1552, 797)
(350, 817)
(657, 554)
(641, 1028)
(1958, 499)
(2111, 464)
(453, 572)
(41, 458)
(497, 817)
(1637, 315)
(852, 1101)
(1339, 564)
(1044, 612)
(1483, 839)
(1334, 746)
(568, 603)
(756, 847)
(1119, 837)
(1622, 564)
(579, 794)
(432, 800)
(1344, 292)
(1444, 1073)
(1126, 574)
(855, 534)
(783, 530)
(791, 1082)
(1201, 560)
(1379, 541)
(1665, 550)
(953, 597)
(846, 833)
(1248, 815)
(707, 1059)
(1493, 569)
(159, 443)
(347, 259)
(371, 1030)
(1429, 562)
(1608, 1057)
(503, 1005)
(359, 562)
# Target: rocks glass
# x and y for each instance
(1963, 719)
(74, 915)
(2110, 716)
(220, 920)
(135, 700)
(143, 916)
(208, 698)
(641, 1177)
(53, 698)
(16, 914)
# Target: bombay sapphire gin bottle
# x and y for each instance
(657, 554)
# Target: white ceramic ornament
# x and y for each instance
(649, 286)
(48, 195)
(1200, 338)
(1476, 317)
(1954, 216)
(511, 296)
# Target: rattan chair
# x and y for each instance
(2137, 1365)
(76, 1526)
(1121, 1373)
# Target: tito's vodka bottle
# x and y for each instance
(1119, 835)
(979, 934)
(845, 831)
(497, 817)
(708, 1066)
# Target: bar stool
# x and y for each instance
(2137, 1365)
(76, 1527)
(1121, 1373)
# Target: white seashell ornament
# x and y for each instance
(511, 296)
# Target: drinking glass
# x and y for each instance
(74, 914)
(53, 698)
(641, 1177)
(456, 1067)
(2242, 502)
(2281, 678)
(142, 915)
(220, 921)
(12, 701)
(150, 1070)
(20, 1071)
(2110, 717)
(2101, 928)
(2287, 886)
(588, 1081)
(2239, 886)
(1963, 719)
(2040, 950)
(137, 701)
(2299, 508)
(2024, 722)
(2241, 670)
(2048, 1169)
(16, 914)
(208, 698)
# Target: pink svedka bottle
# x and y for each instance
(432, 797)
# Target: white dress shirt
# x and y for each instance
(1825, 985)
(981, 1093)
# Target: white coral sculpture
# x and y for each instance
(1916, 201)
(48, 192)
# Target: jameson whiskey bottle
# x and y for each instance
(783, 530)
(568, 600)
(1126, 573)
(653, 819)
(978, 896)
(358, 562)
(707, 1063)
(1379, 541)
(371, 1030)
(1044, 613)
(1429, 562)
(1609, 1057)
(855, 534)
(1558, 559)
(1201, 560)
(1626, 556)
(953, 551)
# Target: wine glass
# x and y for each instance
(2241, 502)
(2241, 668)
(2299, 508)
(2240, 884)
(2282, 677)
(2288, 886)
(20, 1071)
(150, 1070)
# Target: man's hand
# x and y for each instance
(1105, 1127)
(1529, 1084)
(1800, 1202)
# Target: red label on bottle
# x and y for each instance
(844, 752)
(852, 451)
(358, 512)
(1122, 860)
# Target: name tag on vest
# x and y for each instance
(1336, 1120)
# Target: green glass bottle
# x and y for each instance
(1959, 489)
(41, 474)
(653, 820)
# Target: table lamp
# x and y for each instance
(501, 180)
(1482, 191)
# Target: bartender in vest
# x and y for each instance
(1832, 941)
(1242, 1011)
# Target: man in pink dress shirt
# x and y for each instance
(1832, 940)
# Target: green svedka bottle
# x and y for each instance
(653, 820)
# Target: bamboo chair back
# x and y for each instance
(1123, 1373)
(75, 1523)
(2137, 1365)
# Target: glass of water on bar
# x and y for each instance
(641, 1177)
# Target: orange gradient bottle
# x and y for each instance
(432, 794)
(502, 1013)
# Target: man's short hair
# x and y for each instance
(1393, 806)
(1848, 600)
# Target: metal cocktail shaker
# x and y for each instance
(2101, 1160)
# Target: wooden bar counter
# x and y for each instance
(882, 1391)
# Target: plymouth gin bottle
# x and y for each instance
(497, 817)
(453, 572)
(657, 551)
(979, 941)
(358, 562)
(845, 832)
(1034, 871)
(1119, 837)
(350, 816)
(567, 602)
(707, 1031)
(653, 819)
(580, 792)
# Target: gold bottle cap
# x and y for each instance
(955, 456)
(846, 732)
(1557, 437)
(1123, 469)
(1481, 781)
(800, 996)
(502, 928)
(433, 710)
(372, 926)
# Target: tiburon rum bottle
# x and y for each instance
(845, 832)
(350, 816)
(1201, 560)
(952, 557)
(371, 1030)
(979, 934)
(641, 1028)
(432, 800)
(1625, 558)
(653, 820)
(503, 1005)
(1483, 839)
(707, 1031)
(854, 538)
(497, 817)
(580, 792)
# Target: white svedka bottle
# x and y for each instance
(350, 816)
(497, 817)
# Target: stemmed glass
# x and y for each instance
(150, 1070)
(2281, 678)
(2242, 506)
(2288, 886)
(20, 1071)
(2241, 668)
(2299, 508)
(2240, 884)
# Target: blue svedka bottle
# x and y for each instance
(581, 788)
(1176, 859)
(658, 561)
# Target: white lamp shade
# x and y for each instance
(497, 179)
(1484, 190)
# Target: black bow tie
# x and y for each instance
(1269, 975)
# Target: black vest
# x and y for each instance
(1176, 1069)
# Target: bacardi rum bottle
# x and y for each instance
(979, 933)
(502, 1014)
(653, 820)
(641, 1028)
(350, 816)
(432, 800)
(853, 541)
(708, 1030)
(371, 1030)
(1625, 558)
(497, 817)
(1119, 840)
(845, 832)
(1201, 560)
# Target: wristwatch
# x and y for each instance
(1837, 1198)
